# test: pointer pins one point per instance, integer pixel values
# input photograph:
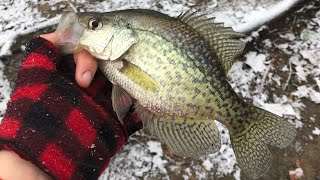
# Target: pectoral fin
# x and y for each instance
(138, 76)
(121, 102)
(186, 137)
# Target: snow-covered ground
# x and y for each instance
(21, 17)
(143, 157)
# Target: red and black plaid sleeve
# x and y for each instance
(67, 131)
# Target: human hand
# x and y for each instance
(13, 167)
(86, 65)
(54, 113)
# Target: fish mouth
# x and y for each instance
(69, 31)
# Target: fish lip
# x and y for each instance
(69, 31)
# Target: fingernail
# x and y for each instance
(86, 77)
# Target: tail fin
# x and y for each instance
(251, 145)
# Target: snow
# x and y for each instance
(260, 16)
(316, 131)
(23, 20)
(256, 61)
(158, 162)
(242, 79)
(26, 17)
(5, 91)
(296, 174)
(207, 164)
(279, 109)
(311, 55)
(138, 160)
(225, 159)
(308, 92)
(304, 59)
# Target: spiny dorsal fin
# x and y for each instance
(223, 40)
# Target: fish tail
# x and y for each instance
(251, 144)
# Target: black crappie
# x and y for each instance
(174, 69)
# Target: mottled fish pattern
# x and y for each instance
(174, 71)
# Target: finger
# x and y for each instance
(53, 37)
(86, 67)
(10, 162)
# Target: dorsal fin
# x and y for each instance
(223, 40)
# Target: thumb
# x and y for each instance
(53, 37)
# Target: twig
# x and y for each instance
(263, 80)
(289, 76)
(73, 7)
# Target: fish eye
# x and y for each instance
(95, 23)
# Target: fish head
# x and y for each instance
(105, 36)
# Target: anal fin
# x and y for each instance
(186, 137)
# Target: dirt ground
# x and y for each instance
(303, 150)
(307, 155)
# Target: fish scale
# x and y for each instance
(175, 70)
(169, 76)
(153, 67)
